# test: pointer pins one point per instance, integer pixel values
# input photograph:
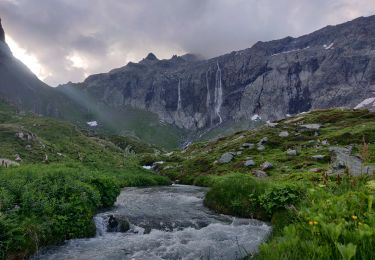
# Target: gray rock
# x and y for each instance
(325, 142)
(261, 148)
(25, 136)
(284, 134)
(309, 127)
(249, 163)
(291, 152)
(226, 158)
(319, 157)
(117, 223)
(267, 166)
(260, 174)
(18, 158)
(315, 170)
(342, 160)
(239, 153)
(271, 124)
(263, 141)
(8, 163)
(248, 145)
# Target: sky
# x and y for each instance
(67, 40)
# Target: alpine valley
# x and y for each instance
(262, 153)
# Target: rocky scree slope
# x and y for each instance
(332, 142)
(332, 67)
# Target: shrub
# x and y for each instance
(280, 196)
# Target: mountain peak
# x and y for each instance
(151, 56)
(2, 33)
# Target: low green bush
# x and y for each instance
(47, 204)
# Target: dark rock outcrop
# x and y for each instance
(2, 33)
(332, 67)
(117, 223)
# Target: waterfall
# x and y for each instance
(179, 95)
(218, 94)
(208, 100)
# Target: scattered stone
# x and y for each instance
(8, 163)
(46, 158)
(270, 124)
(239, 153)
(291, 152)
(24, 136)
(18, 158)
(294, 120)
(117, 223)
(266, 166)
(248, 145)
(260, 174)
(60, 154)
(226, 158)
(325, 142)
(28, 147)
(284, 134)
(319, 157)
(249, 163)
(261, 148)
(309, 127)
(315, 170)
(263, 140)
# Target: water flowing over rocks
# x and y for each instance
(166, 223)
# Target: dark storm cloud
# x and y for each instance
(73, 38)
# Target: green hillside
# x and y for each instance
(64, 176)
(320, 204)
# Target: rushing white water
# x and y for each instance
(218, 94)
(208, 99)
(166, 223)
(179, 95)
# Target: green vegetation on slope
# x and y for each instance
(64, 177)
(315, 213)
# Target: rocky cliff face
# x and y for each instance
(2, 33)
(332, 67)
(20, 87)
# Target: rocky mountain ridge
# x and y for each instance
(332, 67)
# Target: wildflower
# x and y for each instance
(354, 217)
(311, 222)
(315, 222)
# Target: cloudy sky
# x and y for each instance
(67, 40)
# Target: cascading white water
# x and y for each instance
(179, 95)
(165, 223)
(218, 94)
(208, 99)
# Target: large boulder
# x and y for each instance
(342, 161)
(117, 223)
(226, 158)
